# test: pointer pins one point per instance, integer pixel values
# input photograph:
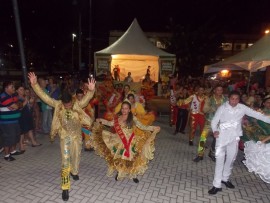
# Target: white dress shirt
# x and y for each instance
(228, 121)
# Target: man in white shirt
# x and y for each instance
(227, 129)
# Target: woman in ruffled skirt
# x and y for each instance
(257, 158)
(125, 144)
(257, 150)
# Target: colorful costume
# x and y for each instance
(86, 130)
(67, 123)
(196, 113)
(257, 154)
(255, 130)
(116, 73)
(126, 151)
(105, 90)
(147, 90)
(228, 122)
(257, 159)
(210, 107)
(110, 106)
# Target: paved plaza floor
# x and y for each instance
(172, 176)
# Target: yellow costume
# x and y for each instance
(137, 109)
(67, 123)
(127, 151)
(85, 129)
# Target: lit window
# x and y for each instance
(226, 46)
(159, 44)
(239, 46)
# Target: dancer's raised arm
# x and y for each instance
(89, 95)
(33, 78)
(40, 92)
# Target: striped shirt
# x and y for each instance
(7, 114)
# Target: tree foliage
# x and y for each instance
(194, 46)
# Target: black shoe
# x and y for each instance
(15, 153)
(214, 190)
(36, 145)
(183, 132)
(65, 195)
(212, 156)
(9, 158)
(198, 158)
(228, 184)
(75, 177)
(175, 132)
(88, 150)
(116, 177)
(135, 180)
(190, 143)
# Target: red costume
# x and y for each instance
(196, 114)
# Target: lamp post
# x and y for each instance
(20, 40)
(72, 51)
(90, 39)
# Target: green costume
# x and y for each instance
(210, 107)
(254, 129)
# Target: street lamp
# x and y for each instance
(73, 36)
(72, 50)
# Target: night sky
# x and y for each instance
(47, 25)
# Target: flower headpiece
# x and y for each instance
(126, 100)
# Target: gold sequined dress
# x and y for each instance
(129, 153)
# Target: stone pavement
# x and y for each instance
(172, 177)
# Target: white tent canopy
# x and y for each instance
(251, 59)
(133, 52)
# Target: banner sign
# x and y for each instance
(166, 66)
(103, 66)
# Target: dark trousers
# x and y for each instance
(181, 121)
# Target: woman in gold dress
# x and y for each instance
(128, 149)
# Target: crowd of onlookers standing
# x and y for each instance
(24, 115)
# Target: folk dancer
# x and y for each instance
(211, 105)
(129, 148)
(197, 118)
(68, 119)
(227, 129)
